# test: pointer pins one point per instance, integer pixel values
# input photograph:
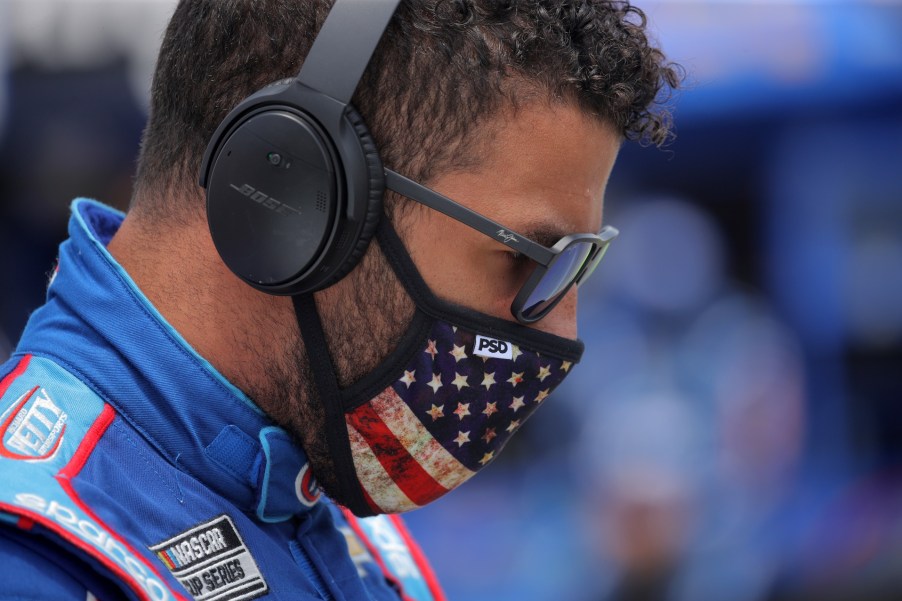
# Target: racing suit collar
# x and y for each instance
(140, 365)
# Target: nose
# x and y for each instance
(561, 321)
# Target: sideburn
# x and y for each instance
(366, 319)
(363, 319)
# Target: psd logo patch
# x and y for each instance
(33, 431)
(490, 347)
(213, 563)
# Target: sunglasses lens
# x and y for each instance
(557, 279)
(594, 260)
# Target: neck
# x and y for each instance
(226, 321)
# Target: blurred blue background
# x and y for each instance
(735, 429)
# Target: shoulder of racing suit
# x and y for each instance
(63, 537)
(50, 423)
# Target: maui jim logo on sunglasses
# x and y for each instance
(506, 236)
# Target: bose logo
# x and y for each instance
(265, 200)
(489, 347)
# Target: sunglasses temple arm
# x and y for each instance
(407, 187)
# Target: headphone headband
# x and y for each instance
(344, 46)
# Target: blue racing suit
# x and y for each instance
(131, 469)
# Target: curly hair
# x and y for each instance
(442, 71)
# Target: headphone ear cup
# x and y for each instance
(294, 189)
(376, 185)
(271, 175)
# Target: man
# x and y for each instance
(172, 413)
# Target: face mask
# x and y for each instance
(441, 406)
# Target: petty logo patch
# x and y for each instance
(213, 563)
(33, 431)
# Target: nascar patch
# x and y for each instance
(213, 563)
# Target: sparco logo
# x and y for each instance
(265, 200)
(89, 531)
(489, 347)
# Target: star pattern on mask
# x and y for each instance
(488, 380)
(515, 378)
(463, 410)
(408, 378)
(471, 404)
(517, 403)
(458, 352)
(460, 381)
(544, 372)
(436, 382)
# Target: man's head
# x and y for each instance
(514, 109)
(445, 69)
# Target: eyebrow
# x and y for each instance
(544, 233)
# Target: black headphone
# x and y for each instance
(294, 180)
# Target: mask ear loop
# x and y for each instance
(327, 388)
(402, 264)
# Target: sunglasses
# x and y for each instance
(569, 262)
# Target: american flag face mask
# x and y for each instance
(447, 416)
(441, 406)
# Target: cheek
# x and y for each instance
(457, 268)
(561, 321)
